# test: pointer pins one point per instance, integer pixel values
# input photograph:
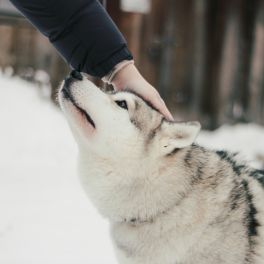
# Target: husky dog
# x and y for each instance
(168, 200)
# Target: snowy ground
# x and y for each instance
(44, 215)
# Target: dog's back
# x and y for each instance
(218, 220)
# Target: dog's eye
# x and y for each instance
(122, 104)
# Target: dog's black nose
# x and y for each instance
(73, 77)
(76, 75)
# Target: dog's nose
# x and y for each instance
(76, 75)
(73, 77)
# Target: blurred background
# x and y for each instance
(206, 58)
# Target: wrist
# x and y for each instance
(123, 75)
(114, 74)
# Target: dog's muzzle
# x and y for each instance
(74, 76)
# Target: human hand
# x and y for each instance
(129, 77)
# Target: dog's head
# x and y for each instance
(123, 143)
(120, 124)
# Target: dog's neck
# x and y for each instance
(136, 221)
(137, 196)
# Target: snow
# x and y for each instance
(45, 216)
(246, 139)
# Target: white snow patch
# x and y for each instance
(247, 139)
(45, 216)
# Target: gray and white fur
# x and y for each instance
(168, 200)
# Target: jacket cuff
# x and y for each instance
(106, 66)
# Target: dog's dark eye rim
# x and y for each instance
(122, 104)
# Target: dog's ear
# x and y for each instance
(177, 135)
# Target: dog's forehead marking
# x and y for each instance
(144, 116)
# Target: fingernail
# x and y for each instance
(170, 116)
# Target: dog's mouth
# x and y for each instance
(68, 96)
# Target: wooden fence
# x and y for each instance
(206, 57)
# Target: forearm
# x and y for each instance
(81, 30)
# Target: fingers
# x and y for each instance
(151, 95)
(161, 106)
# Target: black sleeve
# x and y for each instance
(81, 30)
